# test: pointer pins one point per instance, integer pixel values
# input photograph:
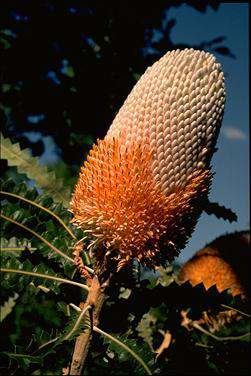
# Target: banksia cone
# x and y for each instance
(142, 188)
(225, 263)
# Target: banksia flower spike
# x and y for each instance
(142, 188)
(224, 263)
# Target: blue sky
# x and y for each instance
(231, 162)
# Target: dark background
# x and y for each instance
(67, 66)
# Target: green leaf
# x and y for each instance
(15, 246)
(29, 165)
(6, 309)
(145, 328)
(71, 330)
(139, 348)
(42, 239)
(24, 357)
(166, 276)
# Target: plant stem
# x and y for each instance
(234, 309)
(197, 326)
(96, 298)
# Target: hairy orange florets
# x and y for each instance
(225, 263)
(117, 201)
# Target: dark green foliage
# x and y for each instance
(43, 259)
(37, 317)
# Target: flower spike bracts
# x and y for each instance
(142, 188)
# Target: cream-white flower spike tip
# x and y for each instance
(176, 107)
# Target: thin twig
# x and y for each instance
(125, 347)
(203, 345)
(15, 249)
(197, 326)
(43, 240)
(75, 307)
(38, 236)
(46, 344)
(234, 309)
(45, 276)
(77, 322)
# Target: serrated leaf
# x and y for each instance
(29, 165)
(15, 245)
(166, 277)
(41, 207)
(6, 309)
(83, 325)
(220, 211)
(48, 343)
(24, 357)
(47, 231)
(138, 348)
(24, 262)
(145, 330)
(125, 293)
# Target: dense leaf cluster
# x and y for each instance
(139, 311)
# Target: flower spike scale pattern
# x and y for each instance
(141, 190)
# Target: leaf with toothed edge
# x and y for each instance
(29, 165)
(220, 211)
